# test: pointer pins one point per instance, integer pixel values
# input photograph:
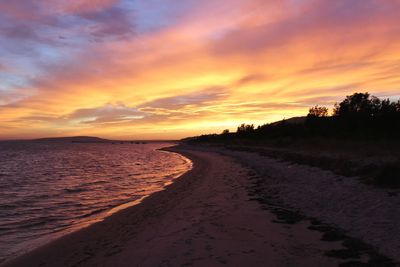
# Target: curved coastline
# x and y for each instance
(204, 218)
(210, 216)
(40, 245)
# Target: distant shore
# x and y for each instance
(210, 216)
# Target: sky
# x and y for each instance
(167, 69)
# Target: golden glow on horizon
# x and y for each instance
(209, 71)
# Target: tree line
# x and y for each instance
(359, 115)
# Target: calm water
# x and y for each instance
(50, 188)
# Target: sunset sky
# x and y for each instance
(164, 69)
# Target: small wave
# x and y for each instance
(8, 206)
(91, 213)
(94, 183)
(75, 190)
(29, 223)
(45, 196)
(42, 198)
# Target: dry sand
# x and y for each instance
(205, 218)
(365, 212)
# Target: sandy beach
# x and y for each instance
(364, 211)
(207, 217)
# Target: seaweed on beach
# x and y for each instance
(353, 249)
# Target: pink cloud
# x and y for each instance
(77, 6)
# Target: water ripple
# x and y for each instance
(48, 188)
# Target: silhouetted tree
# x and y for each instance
(245, 129)
(387, 108)
(225, 132)
(318, 111)
(358, 104)
(368, 115)
(359, 115)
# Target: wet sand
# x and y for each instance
(205, 218)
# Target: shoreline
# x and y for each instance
(204, 218)
(38, 243)
(37, 256)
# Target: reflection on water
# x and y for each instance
(50, 188)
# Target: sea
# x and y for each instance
(49, 189)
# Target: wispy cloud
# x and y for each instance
(197, 98)
(106, 114)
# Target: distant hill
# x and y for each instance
(75, 139)
(293, 120)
